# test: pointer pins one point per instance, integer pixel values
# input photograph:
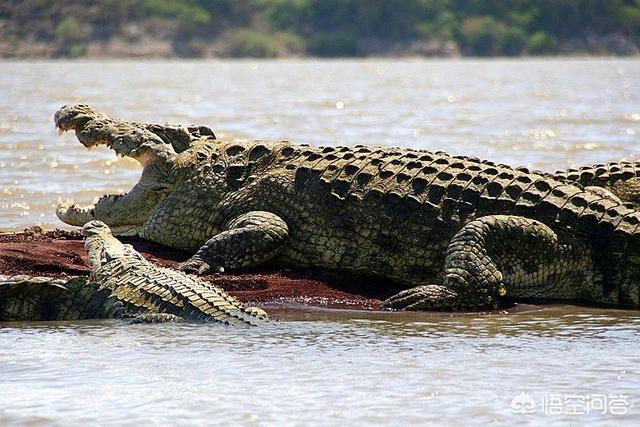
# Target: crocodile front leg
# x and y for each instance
(497, 256)
(247, 240)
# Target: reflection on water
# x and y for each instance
(319, 366)
(322, 367)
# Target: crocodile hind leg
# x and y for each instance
(247, 240)
(497, 256)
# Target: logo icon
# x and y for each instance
(523, 403)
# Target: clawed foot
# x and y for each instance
(427, 297)
(156, 318)
(196, 265)
(258, 312)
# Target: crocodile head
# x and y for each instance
(124, 213)
(101, 246)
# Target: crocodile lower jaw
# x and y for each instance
(72, 214)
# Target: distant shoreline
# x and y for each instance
(164, 49)
(566, 55)
(577, 56)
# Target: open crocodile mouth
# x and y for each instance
(90, 143)
(124, 213)
(76, 214)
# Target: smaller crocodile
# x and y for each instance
(122, 284)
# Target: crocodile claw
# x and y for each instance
(156, 318)
(257, 311)
(426, 297)
(198, 266)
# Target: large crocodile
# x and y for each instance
(458, 233)
(122, 284)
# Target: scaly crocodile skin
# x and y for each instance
(122, 284)
(620, 178)
(43, 298)
(473, 232)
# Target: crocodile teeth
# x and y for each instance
(62, 208)
(66, 203)
(60, 130)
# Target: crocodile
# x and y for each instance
(455, 233)
(619, 180)
(122, 284)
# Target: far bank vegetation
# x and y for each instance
(333, 28)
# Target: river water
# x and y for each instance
(560, 364)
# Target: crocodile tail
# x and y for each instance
(553, 201)
(602, 173)
(205, 301)
(597, 213)
(620, 178)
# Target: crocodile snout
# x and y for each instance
(72, 116)
(94, 228)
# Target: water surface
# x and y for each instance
(321, 367)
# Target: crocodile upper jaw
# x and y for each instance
(93, 129)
